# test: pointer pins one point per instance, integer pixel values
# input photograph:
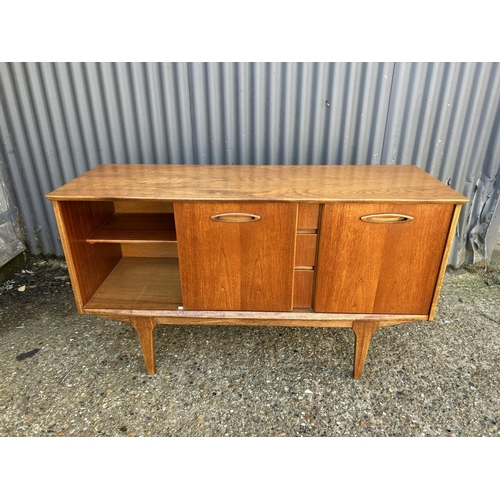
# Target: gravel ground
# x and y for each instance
(85, 376)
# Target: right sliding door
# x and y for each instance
(380, 258)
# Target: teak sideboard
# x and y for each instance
(358, 246)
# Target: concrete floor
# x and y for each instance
(85, 376)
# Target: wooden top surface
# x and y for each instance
(300, 183)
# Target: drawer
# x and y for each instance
(308, 217)
(303, 289)
(306, 250)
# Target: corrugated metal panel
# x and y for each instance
(10, 237)
(58, 120)
(445, 118)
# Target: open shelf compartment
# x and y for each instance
(136, 228)
(139, 283)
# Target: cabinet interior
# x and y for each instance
(125, 254)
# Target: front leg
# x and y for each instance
(364, 331)
(145, 328)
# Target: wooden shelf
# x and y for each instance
(139, 283)
(136, 228)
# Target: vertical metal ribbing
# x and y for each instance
(143, 118)
(215, 98)
(318, 111)
(289, 111)
(28, 149)
(60, 119)
(242, 104)
(229, 112)
(175, 91)
(97, 112)
(115, 84)
(11, 169)
(83, 109)
(121, 110)
(157, 129)
(259, 122)
(199, 113)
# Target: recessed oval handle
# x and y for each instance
(235, 217)
(387, 218)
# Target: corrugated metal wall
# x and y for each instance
(58, 120)
(10, 235)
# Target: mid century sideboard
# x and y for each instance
(357, 246)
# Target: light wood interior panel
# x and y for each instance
(135, 227)
(366, 267)
(88, 265)
(143, 206)
(163, 249)
(139, 283)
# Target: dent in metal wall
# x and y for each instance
(10, 237)
(485, 205)
(59, 120)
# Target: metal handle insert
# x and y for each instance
(387, 218)
(235, 217)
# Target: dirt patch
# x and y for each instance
(490, 275)
(40, 284)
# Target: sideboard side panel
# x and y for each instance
(444, 261)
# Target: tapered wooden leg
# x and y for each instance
(145, 327)
(364, 331)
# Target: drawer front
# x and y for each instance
(306, 250)
(308, 216)
(380, 258)
(236, 256)
(303, 289)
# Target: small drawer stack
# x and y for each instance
(305, 255)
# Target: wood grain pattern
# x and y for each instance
(303, 289)
(308, 216)
(363, 331)
(88, 265)
(236, 266)
(306, 317)
(139, 284)
(131, 227)
(444, 262)
(163, 249)
(379, 268)
(305, 254)
(145, 328)
(143, 207)
(313, 183)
